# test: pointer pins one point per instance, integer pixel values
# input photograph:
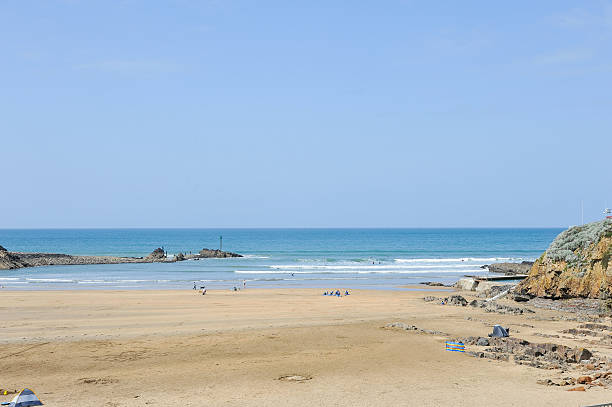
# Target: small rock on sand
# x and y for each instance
(482, 342)
(294, 378)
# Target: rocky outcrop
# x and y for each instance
(157, 255)
(10, 260)
(16, 260)
(578, 263)
(217, 254)
(539, 355)
(510, 269)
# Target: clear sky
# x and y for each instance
(304, 113)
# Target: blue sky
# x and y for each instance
(304, 114)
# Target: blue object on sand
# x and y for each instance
(499, 332)
(25, 398)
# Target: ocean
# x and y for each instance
(320, 258)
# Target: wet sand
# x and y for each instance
(154, 348)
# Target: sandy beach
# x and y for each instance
(148, 348)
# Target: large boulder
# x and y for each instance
(157, 254)
(578, 263)
(457, 300)
(466, 284)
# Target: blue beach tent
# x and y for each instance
(499, 332)
(25, 398)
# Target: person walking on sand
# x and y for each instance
(243, 283)
(194, 286)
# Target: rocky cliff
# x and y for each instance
(578, 263)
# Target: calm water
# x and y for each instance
(325, 258)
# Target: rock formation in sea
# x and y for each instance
(510, 268)
(9, 260)
(16, 260)
(578, 263)
(157, 254)
(208, 253)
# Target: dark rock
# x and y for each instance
(498, 289)
(217, 254)
(179, 257)
(9, 261)
(521, 298)
(539, 355)
(482, 342)
(433, 284)
(457, 300)
(158, 253)
(15, 260)
(510, 269)
(492, 306)
(2, 249)
(406, 327)
(582, 354)
(430, 298)
(599, 327)
(401, 325)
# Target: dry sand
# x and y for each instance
(155, 348)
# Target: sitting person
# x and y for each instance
(346, 292)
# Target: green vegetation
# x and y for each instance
(564, 247)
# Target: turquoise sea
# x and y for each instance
(323, 258)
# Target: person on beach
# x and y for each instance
(243, 283)
(194, 286)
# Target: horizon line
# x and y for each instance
(288, 228)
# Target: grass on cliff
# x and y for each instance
(564, 247)
(606, 259)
